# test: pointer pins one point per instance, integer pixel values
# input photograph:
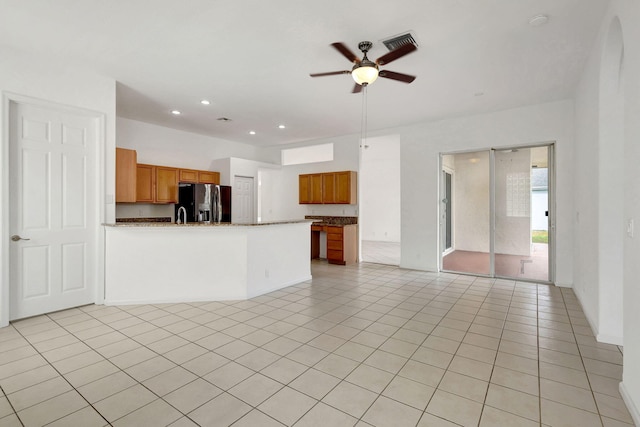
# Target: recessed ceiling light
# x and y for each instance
(175, 112)
(281, 126)
(538, 20)
(252, 132)
(205, 102)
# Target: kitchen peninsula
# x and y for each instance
(169, 263)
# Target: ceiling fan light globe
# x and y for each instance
(365, 75)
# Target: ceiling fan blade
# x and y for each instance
(340, 47)
(357, 88)
(396, 53)
(405, 78)
(330, 73)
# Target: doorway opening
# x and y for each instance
(379, 200)
(496, 216)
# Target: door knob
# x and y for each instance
(16, 238)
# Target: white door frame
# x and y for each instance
(442, 191)
(253, 196)
(99, 191)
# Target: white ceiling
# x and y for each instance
(252, 58)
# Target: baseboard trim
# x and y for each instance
(587, 314)
(633, 409)
(564, 285)
(609, 339)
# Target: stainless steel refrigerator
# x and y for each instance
(208, 203)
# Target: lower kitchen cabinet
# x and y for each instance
(342, 243)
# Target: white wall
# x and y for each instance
(148, 265)
(285, 202)
(598, 183)
(600, 212)
(597, 111)
(45, 79)
(144, 210)
(379, 188)
(158, 145)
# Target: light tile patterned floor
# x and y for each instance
(387, 253)
(359, 345)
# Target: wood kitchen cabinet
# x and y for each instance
(199, 177)
(310, 188)
(328, 188)
(189, 175)
(342, 244)
(145, 183)
(208, 177)
(156, 184)
(126, 161)
(166, 184)
(346, 187)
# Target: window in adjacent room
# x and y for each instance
(308, 154)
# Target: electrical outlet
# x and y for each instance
(630, 227)
(266, 273)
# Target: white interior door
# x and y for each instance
(53, 218)
(242, 200)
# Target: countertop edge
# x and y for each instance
(197, 224)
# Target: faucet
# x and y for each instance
(184, 215)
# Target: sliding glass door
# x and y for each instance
(469, 213)
(501, 214)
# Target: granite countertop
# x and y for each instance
(200, 224)
(335, 221)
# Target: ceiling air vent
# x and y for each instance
(398, 41)
(223, 119)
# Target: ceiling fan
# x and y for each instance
(365, 71)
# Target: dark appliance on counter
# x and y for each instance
(208, 203)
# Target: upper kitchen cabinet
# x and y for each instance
(208, 177)
(189, 175)
(199, 177)
(346, 187)
(156, 184)
(166, 185)
(310, 188)
(145, 183)
(328, 188)
(126, 161)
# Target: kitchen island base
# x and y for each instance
(155, 264)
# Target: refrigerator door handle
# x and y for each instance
(218, 205)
